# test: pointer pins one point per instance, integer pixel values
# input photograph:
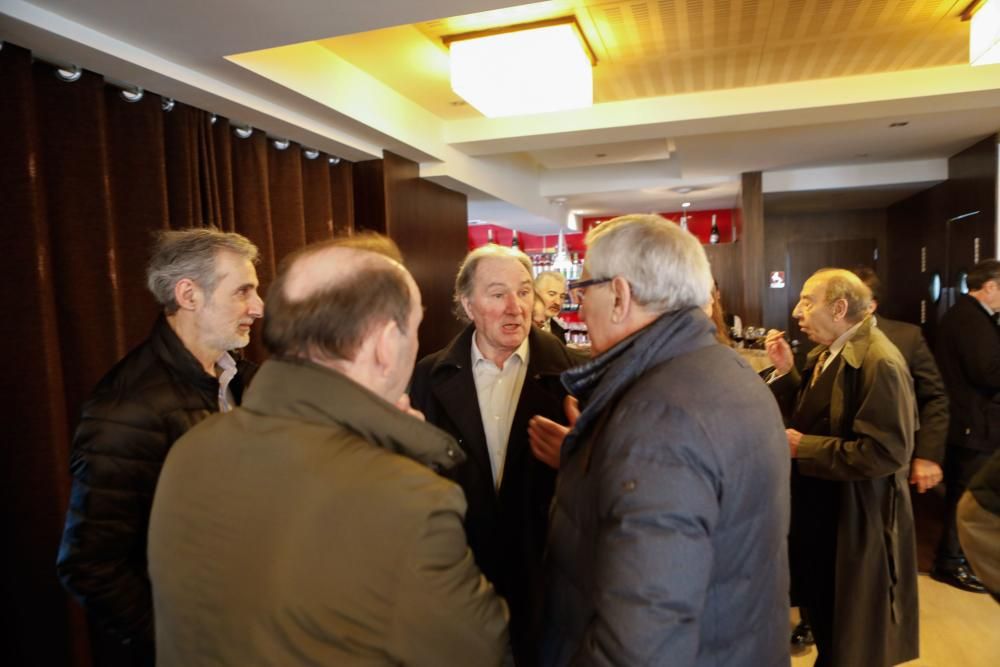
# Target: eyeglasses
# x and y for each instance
(576, 288)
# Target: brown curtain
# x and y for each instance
(86, 177)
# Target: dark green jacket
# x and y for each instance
(307, 528)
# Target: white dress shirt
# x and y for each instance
(498, 390)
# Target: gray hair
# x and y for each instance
(544, 275)
(665, 266)
(467, 271)
(190, 253)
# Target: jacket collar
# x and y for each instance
(458, 354)
(854, 350)
(304, 391)
(601, 381)
(172, 351)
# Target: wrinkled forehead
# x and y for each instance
(814, 289)
(503, 270)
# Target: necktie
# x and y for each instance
(818, 368)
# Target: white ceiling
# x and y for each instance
(804, 91)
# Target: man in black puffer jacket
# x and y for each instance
(207, 284)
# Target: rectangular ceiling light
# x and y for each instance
(532, 68)
(984, 35)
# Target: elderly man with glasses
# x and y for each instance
(667, 531)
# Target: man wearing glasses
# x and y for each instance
(483, 388)
(667, 535)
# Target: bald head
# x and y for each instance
(328, 297)
(846, 285)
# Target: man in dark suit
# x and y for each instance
(932, 399)
(968, 353)
(483, 388)
(851, 549)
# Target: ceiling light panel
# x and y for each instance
(535, 70)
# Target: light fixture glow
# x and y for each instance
(685, 204)
(984, 34)
(522, 71)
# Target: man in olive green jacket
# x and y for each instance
(308, 526)
(851, 545)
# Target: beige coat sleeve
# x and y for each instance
(883, 429)
(446, 613)
(979, 533)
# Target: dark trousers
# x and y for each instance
(960, 464)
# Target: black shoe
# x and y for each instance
(802, 635)
(960, 577)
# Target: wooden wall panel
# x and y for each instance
(750, 224)
(785, 229)
(935, 222)
(428, 222)
(727, 267)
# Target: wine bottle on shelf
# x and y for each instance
(684, 221)
(513, 240)
(714, 236)
(489, 236)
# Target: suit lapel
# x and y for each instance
(457, 394)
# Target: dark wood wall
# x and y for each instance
(832, 230)
(428, 222)
(750, 223)
(942, 225)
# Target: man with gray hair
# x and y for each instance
(850, 438)
(309, 526)
(483, 389)
(667, 542)
(207, 285)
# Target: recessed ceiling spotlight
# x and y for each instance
(899, 123)
(167, 104)
(685, 204)
(334, 159)
(281, 144)
(310, 153)
(242, 131)
(600, 155)
(683, 190)
(131, 94)
(69, 74)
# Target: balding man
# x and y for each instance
(309, 527)
(851, 548)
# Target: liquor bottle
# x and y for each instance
(684, 221)
(714, 236)
(489, 236)
(513, 240)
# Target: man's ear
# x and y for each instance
(466, 306)
(387, 340)
(623, 299)
(187, 294)
(840, 309)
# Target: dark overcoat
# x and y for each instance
(928, 386)
(968, 353)
(872, 419)
(506, 528)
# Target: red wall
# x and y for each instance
(699, 224)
